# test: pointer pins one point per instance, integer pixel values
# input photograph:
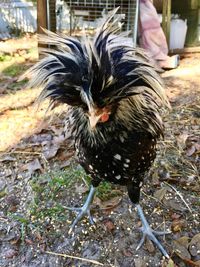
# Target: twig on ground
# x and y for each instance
(74, 257)
(179, 194)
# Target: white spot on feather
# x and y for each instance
(118, 177)
(126, 165)
(117, 156)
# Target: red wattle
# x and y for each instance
(104, 117)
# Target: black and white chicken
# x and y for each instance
(115, 98)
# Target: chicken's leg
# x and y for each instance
(84, 210)
(147, 231)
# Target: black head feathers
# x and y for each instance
(99, 71)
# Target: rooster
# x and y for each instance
(115, 98)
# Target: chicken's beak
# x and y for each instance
(93, 119)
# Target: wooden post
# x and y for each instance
(166, 12)
(41, 18)
(41, 15)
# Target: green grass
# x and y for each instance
(17, 85)
(4, 58)
(14, 70)
(50, 191)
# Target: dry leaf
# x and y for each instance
(7, 158)
(181, 139)
(50, 150)
(109, 225)
(32, 166)
(178, 225)
(140, 262)
(181, 248)
(159, 194)
(10, 253)
(108, 204)
(127, 253)
(28, 241)
(190, 150)
(175, 205)
(170, 263)
(175, 216)
(194, 246)
(149, 245)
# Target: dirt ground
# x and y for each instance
(39, 178)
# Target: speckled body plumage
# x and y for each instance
(106, 74)
(119, 155)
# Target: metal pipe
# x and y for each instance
(135, 30)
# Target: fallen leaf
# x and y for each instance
(181, 248)
(178, 225)
(140, 262)
(189, 262)
(190, 150)
(16, 240)
(50, 150)
(194, 246)
(149, 245)
(10, 253)
(159, 194)
(66, 154)
(175, 216)
(109, 225)
(65, 164)
(170, 263)
(181, 139)
(155, 179)
(12, 200)
(7, 158)
(108, 204)
(174, 204)
(28, 241)
(32, 166)
(127, 253)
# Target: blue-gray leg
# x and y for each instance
(85, 210)
(150, 233)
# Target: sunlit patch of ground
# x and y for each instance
(21, 121)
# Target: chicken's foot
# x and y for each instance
(84, 210)
(147, 231)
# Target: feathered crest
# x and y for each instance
(105, 69)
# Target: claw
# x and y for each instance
(148, 232)
(83, 211)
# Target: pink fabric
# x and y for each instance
(151, 36)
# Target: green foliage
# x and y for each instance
(14, 70)
(49, 191)
(17, 85)
(4, 58)
(104, 191)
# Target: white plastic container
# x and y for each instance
(178, 30)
